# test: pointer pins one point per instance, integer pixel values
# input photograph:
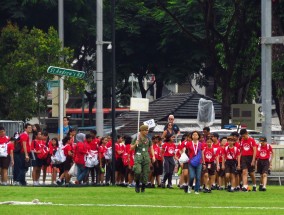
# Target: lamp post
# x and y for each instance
(113, 101)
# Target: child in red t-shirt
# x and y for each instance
(264, 161)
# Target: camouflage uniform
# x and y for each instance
(142, 160)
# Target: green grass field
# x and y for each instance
(119, 200)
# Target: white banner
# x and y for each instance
(150, 123)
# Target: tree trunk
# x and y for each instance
(225, 120)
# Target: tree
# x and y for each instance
(25, 57)
(228, 32)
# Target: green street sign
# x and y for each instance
(52, 84)
(65, 72)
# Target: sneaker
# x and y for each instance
(163, 185)
(170, 186)
(260, 187)
(221, 188)
(185, 188)
(209, 191)
(196, 193)
(159, 185)
(153, 186)
(188, 190)
(254, 188)
(43, 183)
(58, 182)
(149, 185)
(205, 190)
(244, 189)
(263, 189)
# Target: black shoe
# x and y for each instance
(260, 187)
(185, 188)
(153, 186)
(170, 186)
(205, 190)
(263, 189)
(143, 188)
(229, 188)
(149, 185)
(159, 185)
(163, 185)
(209, 191)
(231, 191)
(254, 188)
(137, 189)
(244, 189)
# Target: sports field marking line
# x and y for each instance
(142, 206)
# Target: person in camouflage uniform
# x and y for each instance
(141, 168)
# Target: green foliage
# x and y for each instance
(26, 55)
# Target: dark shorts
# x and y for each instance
(67, 163)
(185, 166)
(210, 168)
(119, 165)
(262, 166)
(231, 166)
(246, 163)
(158, 168)
(5, 162)
(46, 161)
(37, 162)
(221, 172)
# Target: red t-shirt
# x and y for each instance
(67, 148)
(247, 146)
(102, 151)
(210, 154)
(157, 152)
(10, 148)
(169, 149)
(24, 137)
(80, 152)
(119, 147)
(4, 139)
(193, 150)
(264, 152)
(51, 148)
(94, 144)
(231, 153)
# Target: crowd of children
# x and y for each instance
(204, 161)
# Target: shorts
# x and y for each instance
(5, 162)
(210, 168)
(37, 162)
(67, 163)
(263, 166)
(185, 166)
(46, 161)
(158, 167)
(221, 172)
(246, 163)
(231, 166)
(119, 165)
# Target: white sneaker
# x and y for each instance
(189, 189)
(196, 193)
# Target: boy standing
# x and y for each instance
(264, 161)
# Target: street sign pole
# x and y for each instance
(61, 79)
